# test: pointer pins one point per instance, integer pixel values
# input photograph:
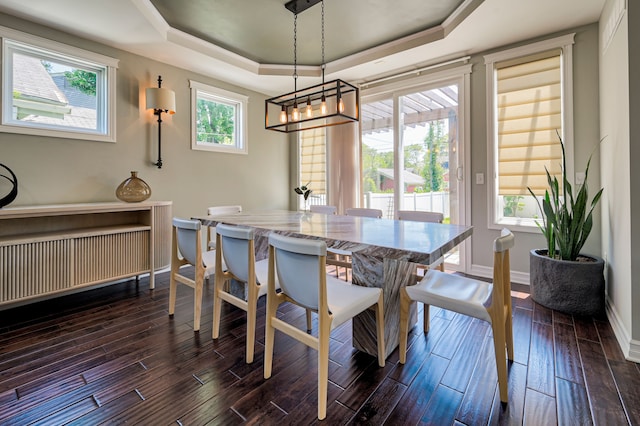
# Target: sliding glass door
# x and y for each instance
(412, 153)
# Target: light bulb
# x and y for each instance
(323, 106)
(283, 115)
(295, 114)
(341, 105)
(309, 109)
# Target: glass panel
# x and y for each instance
(215, 121)
(430, 145)
(53, 94)
(378, 156)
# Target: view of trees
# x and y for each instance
(215, 122)
(85, 81)
(427, 159)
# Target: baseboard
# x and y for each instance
(487, 272)
(630, 348)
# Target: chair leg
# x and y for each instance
(405, 303)
(508, 327)
(323, 368)
(173, 286)
(426, 320)
(269, 335)
(251, 323)
(217, 306)
(197, 303)
(501, 359)
(309, 326)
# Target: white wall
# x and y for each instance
(618, 101)
(54, 170)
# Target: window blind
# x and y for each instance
(313, 168)
(529, 112)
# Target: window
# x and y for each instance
(313, 167)
(529, 96)
(219, 119)
(51, 89)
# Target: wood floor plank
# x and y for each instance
(606, 406)
(442, 407)
(522, 320)
(542, 314)
(415, 399)
(379, 405)
(475, 407)
(567, 357)
(541, 374)
(513, 412)
(465, 359)
(539, 409)
(572, 403)
(627, 378)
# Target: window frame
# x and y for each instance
(565, 44)
(15, 41)
(240, 102)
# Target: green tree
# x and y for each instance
(372, 161)
(434, 142)
(215, 122)
(85, 81)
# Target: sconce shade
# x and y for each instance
(279, 110)
(162, 99)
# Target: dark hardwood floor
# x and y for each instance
(113, 355)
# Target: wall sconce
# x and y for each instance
(160, 100)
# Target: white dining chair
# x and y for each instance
(216, 211)
(236, 248)
(424, 216)
(186, 249)
(343, 257)
(490, 302)
(321, 208)
(300, 266)
(363, 212)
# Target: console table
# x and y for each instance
(52, 249)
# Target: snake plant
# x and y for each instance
(567, 217)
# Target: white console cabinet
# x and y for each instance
(48, 250)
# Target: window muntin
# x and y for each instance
(219, 119)
(50, 89)
(529, 105)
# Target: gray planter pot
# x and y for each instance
(575, 288)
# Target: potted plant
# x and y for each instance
(561, 277)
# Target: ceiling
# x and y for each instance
(249, 43)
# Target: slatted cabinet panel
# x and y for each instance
(47, 250)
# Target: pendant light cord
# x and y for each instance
(322, 26)
(295, 52)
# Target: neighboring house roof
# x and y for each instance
(32, 80)
(409, 177)
(75, 97)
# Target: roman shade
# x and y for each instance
(313, 160)
(529, 112)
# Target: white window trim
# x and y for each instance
(8, 34)
(566, 44)
(242, 135)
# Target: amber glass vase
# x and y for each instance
(133, 189)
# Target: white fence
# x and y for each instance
(427, 201)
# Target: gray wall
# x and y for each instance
(54, 170)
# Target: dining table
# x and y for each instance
(384, 254)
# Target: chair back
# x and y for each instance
(296, 258)
(420, 216)
(187, 238)
(319, 208)
(222, 210)
(236, 247)
(363, 212)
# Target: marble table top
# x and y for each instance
(419, 242)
